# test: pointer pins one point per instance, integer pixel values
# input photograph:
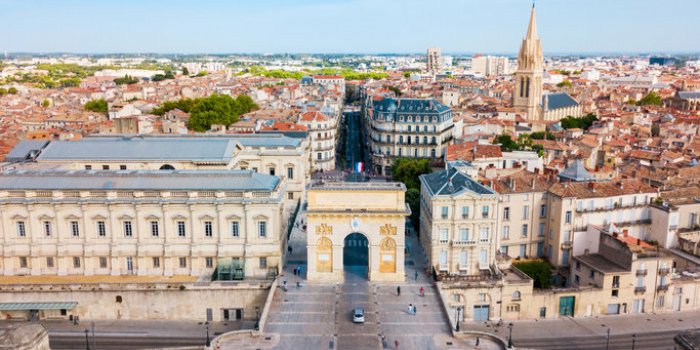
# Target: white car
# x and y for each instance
(358, 315)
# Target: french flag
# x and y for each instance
(359, 167)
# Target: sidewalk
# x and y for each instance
(134, 328)
(592, 326)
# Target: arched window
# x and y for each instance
(516, 295)
(522, 86)
(119, 298)
(167, 167)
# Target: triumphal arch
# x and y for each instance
(358, 224)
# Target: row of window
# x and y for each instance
(464, 234)
(464, 259)
(105, 167)
(524, 230)
(129, 261)
(526, 212)
(610, 203)
(445, 211)
(128, 229)
(407, 153)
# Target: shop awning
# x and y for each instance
(67, 305)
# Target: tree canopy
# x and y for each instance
(651, 99)
(3, 91)
(539, 270)
(584, 122)
(184, 105)
(413, 200)
(524, 143)
(565, 83)
(395, 90)
(97, 106)
(218, 109)
(126, 80)
(12, 91)
(408, 170)
(542, 135)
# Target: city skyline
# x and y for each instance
(150, 27)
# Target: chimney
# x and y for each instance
(533, 182)
(639, 241)
(625, 233)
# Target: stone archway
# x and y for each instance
(356, 224)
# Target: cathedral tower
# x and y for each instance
(527, 96)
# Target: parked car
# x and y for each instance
(358, 315)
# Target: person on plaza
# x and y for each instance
(298, 285)
(477, 341)
(294, 271)
(414, 310)
(398, 291)
(422, 292)
(396, 344)
(410, 309)
(415, 277)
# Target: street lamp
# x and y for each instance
(634, 336)
(457, 311)
(87, 341)
(607, 340)
(510, 335)
(208, 343)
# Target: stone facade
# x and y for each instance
(375, 210)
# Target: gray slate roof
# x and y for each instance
(202, 180)
(439, 183)
(686, 95)
(24, 149)
(410, 105)
(217, 149)
(558, 100)
(576, 172)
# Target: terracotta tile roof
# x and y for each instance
(522, 182)
(641, 154)
(284, 126)
(470, 151)
(600, 189)
(311, 116)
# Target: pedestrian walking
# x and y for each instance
(415, 277)
(299, 270)
(298, 285)
(477, 341)
(422, 292)
(414, 310)
(398, 291)
(294, 271)
(396, 344)
(410, 309)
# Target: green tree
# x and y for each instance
(584, 122)
(412, 198)
(70, 82)
(655, 130)
(395, 90)
(565, 83)
(184, 105)
(542, 135)
(12, 91)
(506, 142)
(651, 99)
(126, 80)
(3, 91)
(97, 106)
(539, 270)
(45, 103)
(185, 71)
(408, 170)
(406, 74)
(218, 109)
(202, 74)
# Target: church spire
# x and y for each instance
(532, 26)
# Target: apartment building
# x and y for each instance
(141, 222)
(458, 223)
(406, 128)
(432, 59)
(523, 214)
(322, 138)
(623, 205)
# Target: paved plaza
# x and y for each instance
(319, 315)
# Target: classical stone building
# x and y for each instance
(406, 128)
(272, 154)
(359, 224)
(142, 222)
(458, 223)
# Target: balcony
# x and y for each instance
(662, 288)
(664, 271)
(467, 242)
(640, 290)
(642, 272)
(566, 245)
(484, 240)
